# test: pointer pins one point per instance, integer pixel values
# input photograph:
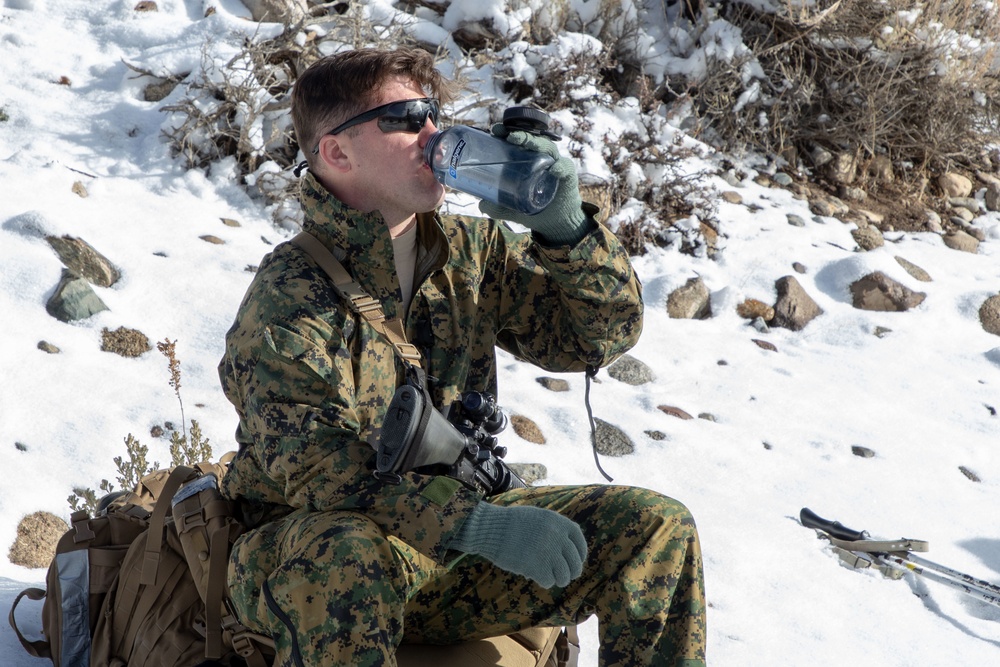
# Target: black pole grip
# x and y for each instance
(836, 529)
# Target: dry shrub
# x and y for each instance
(125, 342)
(600, 68)
(911, 82)
(671, 196)
(240, 109)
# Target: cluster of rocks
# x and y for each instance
(794, 308)
(74, 298)
(610, 440)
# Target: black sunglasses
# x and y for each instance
(401, 116)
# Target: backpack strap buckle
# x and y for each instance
(82, 532)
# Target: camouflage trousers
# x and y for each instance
(333, 590)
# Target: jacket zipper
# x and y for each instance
(286, 621)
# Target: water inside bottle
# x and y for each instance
(493, 170)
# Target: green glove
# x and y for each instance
(563, 221)
(534, 542)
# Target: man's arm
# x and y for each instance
(568, 308)
(571, 299)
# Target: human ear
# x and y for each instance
(334, 153)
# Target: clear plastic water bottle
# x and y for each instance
(476, 162)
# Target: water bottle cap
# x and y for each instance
(529, 119)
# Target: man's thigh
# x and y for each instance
(471, 598)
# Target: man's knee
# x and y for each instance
(311, 559)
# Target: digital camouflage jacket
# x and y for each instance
(311, 381)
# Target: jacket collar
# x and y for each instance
(361, 241)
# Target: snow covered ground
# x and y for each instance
(924, 396)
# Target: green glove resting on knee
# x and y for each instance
(534, 542)
(563, 221)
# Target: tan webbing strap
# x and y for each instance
(154, 538)
(218, 561)
(392, 331)
(880, 546)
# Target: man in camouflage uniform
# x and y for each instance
(341, 567)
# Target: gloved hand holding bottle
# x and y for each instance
(518, 173)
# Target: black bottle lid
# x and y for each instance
(529, 119)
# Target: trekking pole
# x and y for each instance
(895, 557)
(987, 593)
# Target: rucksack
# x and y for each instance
(143, 583)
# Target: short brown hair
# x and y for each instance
(342, 85)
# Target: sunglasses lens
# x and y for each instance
(408, 116)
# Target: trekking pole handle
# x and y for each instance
(835, 529)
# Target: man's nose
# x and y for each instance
(427, 131)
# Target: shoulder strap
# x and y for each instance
(39, 648)
(391, 331)
(154, 536)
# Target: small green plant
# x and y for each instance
(133, 467)
(3, 115)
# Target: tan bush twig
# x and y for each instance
(863, 76)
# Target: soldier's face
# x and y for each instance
(389, 170)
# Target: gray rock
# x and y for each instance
(879, 292)
(914, 270)
(81, 258)
(970, 204)
(954, 185)
(820, 156)
(961, 216)
(843, 168)
(794, 308)
(868, 238)
(731, 197)
(612, 441)
(863, 452)
(959, 240)
(529, 472)
(993, 197)
(828, 206)
(730, 177)
(73, 299)
(933, 221)
(853, 193)
(46, 346)
(765, 345)
(796, 220)
(989, 315)
(690, 302)
(674, 411)
(969, 474)
(630, 370)
(553, 384)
